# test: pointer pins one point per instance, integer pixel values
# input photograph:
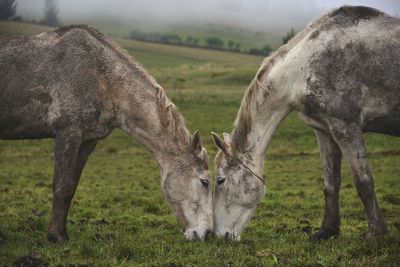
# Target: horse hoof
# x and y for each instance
(57, 238)
(323, 234)
(374, 234)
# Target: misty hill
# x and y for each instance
(253, 23)
(248, 38)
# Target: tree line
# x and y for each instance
(211, 42)
(175, 39)
(8, 10)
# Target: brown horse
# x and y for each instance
(73, 85)
(342, 74)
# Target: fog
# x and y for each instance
(251, 14)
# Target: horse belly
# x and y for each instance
(386, 124)
(25, 117)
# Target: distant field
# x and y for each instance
(10, 27)
(119, 216)
(247, 38)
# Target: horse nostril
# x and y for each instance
(226, 236)
(196, 236)
(208, 234)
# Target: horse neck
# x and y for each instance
(266, 103)
(262, 109)
(145, 112)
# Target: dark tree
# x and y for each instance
(266, 50)
(7, 9)
(51, 13)
(171, 39)
(214, 42)
(191, 41)
(288, 36)
(195, 41)
(231, 44)
(254, 51)
(237, 46)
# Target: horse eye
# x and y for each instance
(204, 182)
(220, 180)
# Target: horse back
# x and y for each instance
(49, 82)
(354, 70)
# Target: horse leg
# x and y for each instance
(85, 150)
(331, 157)
(70, 158)
(349, 137)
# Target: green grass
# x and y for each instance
(119, 216)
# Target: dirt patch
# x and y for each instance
(98, 237)
(38, 213)
(386, 153)
(101, 222)
(40, 184)
(2, 238)
(304, 226)
(172, 264)
(30, 261)
(392, 199)
(282, 228)
(112, 150)
(347, 186)
(306, 229)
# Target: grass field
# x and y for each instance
(119, 216)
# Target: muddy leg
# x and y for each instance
(331, 161)
(349, 138)
(84, 151)
(70, 158)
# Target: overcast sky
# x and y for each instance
(256, 14)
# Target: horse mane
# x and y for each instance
(242, 124)
(171, 120)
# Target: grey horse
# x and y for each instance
(342, 75)
(75, 86)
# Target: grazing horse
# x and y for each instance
(342, 75)
(75, 86)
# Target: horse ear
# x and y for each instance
(196, 142)
(227, 138)
(220, 143)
